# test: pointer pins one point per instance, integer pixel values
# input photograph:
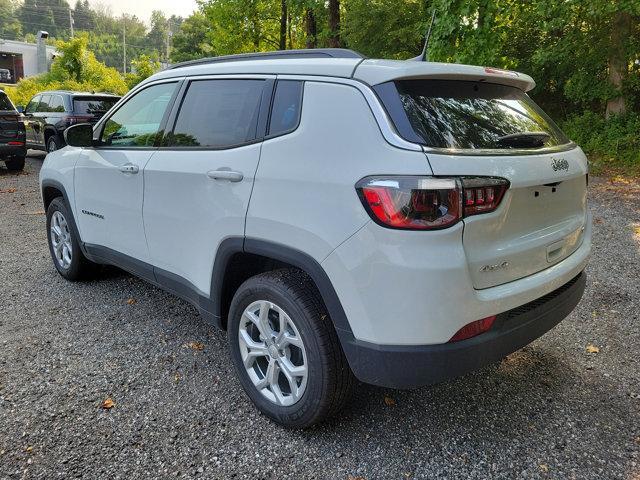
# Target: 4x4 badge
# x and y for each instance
(559, 164)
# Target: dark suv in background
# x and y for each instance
(12, 135)
(48, 114)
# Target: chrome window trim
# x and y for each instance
(565, 147)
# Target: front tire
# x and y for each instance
(15, 164)
(53, 143)
(64, 245)
(286, 351)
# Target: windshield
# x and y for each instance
(93, 105)
(5, 103)
(472, 115)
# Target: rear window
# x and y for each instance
(468, 115)
(93, 105)
(5, 103)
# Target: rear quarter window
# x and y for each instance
(287, 103)
(466, 114)
(93, 105)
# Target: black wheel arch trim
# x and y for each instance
(286, 254)
(65, 198)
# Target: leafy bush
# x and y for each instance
(75, 69)
(609, 143)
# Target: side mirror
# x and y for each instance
(80, 135)
(20, 108)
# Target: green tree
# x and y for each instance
(10, 26)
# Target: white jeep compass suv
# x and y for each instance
(395, 222)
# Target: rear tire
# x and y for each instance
(306, 349)
(64, 243)
(15, 164)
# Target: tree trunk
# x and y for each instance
(334, 23)
(311, 29)
(283, 25)
(618, 64)
(289, 32)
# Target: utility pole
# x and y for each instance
(124, 48)
(169, 36)
(71, 23)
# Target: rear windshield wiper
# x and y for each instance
(523, 140)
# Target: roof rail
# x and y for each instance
(306, 53)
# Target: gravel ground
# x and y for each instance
(551, 410)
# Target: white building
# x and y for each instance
(26, 59)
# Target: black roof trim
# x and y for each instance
(278, 54)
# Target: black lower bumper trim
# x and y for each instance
(402, 366)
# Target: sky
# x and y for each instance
(142, 8)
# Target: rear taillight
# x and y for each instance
(473, 329)
(428, 203)
(482, 194)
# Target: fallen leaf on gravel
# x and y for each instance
(544, 467)
(592, 349)
(131, 301)
(37, 212)
(9, 190)
(108, 403)
(637, 230)
(597, 220)
(389, 402)
(177, 378)
(29, 449)
(351, 477)
(195, 345)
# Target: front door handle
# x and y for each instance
(129, 168)
(225, 175)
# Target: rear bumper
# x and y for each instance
(407, 366)
(12, 150)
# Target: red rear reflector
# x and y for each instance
(15, 143)
(473, 329)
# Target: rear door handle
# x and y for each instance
(129, 168)
(225, 175)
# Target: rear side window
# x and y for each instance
(468, 115)
(43, 106)
(93, 105)
(218, 114)
(57, 104)
(5, 103)
(285, 113)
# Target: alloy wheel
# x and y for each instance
(61, 240)
(273, 353)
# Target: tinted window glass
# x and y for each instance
(43, 106)
(33, 104)
(5, 103)
(286, 107)
(93, 105)
(57, 104)
(218, 113)
(137, 122)
(461, 114)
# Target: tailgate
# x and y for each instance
(10, 125)
(540, 221)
